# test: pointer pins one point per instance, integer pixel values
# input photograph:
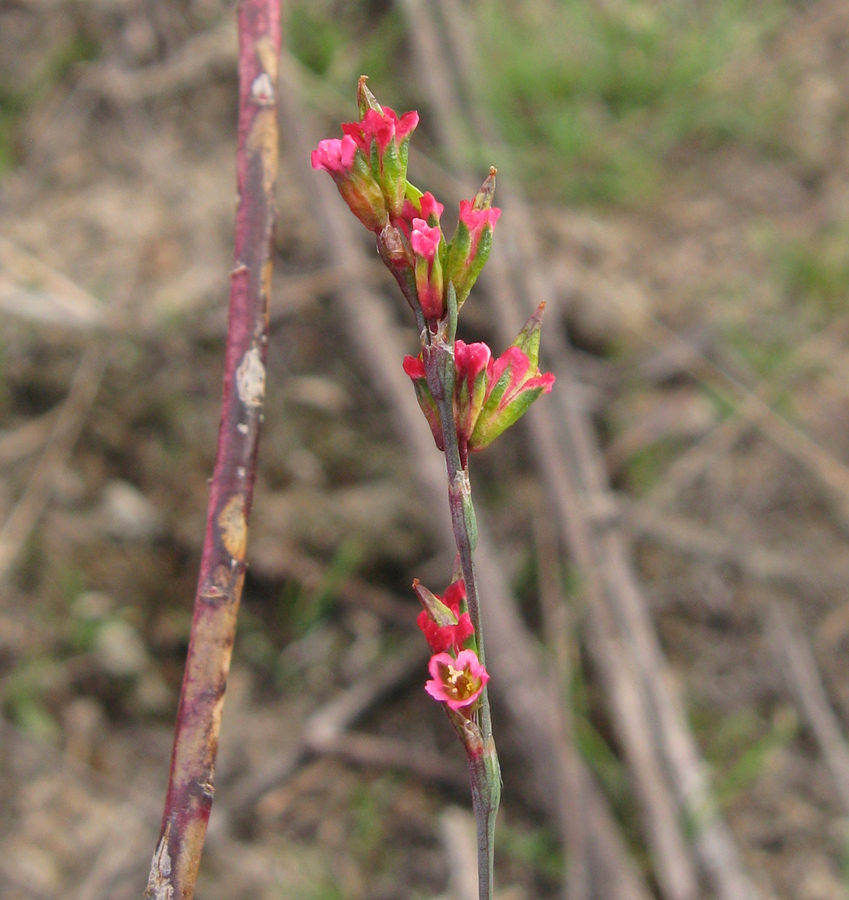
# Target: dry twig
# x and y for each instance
(327, 725)
(753, 410)
(560, 634)
(63, 436)
(761, 563)
(222, 571)
(802, 677)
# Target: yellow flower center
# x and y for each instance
(458, 683)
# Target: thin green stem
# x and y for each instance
(485, 775)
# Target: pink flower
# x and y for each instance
(457, 682)
(472, 240)
(431, 208)
(414, 367)
(348, 168)
(477, 221)
(514, 381)
(489, 394)
(334, 156)
(382, 126)
(383, 139)
(424, 240)
(427, 207)
(473, 366)
(444, 626)
(472, 363)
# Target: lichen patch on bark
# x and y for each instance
(250, 379)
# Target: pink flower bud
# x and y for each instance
(383, 138)
(424, 240)
(430, 208)
(472, 240)
(414, 367)
(457, 682)
(477, 220)
(426, 207)
(471, 362)
(334, 156)
(445, 627)
(349, 170)
(514, 381)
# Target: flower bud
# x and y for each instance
(444, 621)
(414, 367)
(513, 383)
(347, 166)
(384, 140)
(425, 240)
(471, 362)
(365, 98)
(472, 240)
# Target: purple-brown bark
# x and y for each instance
(222, 569)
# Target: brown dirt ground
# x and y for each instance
(131, 198)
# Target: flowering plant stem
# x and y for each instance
(467, 397)
(484, 771)
(222, 570)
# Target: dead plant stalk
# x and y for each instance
(190, 789)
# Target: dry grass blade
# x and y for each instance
(327, 725)
(61, 302)
(753, 409)
(63, 436)
(804, 683)
(25, 440)
(458, 841)
(213, 50)
(384, 753)
(761, 563)
(560, 635)
(31, 289)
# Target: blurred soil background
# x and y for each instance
(686, 172)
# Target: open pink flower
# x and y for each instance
(444, 626)
(456, 682)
